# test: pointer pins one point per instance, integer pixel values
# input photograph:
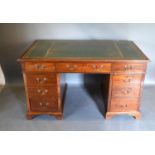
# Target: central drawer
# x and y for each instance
(84, 67)
(97, 67)
(70, 67)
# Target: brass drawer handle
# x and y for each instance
(41, 80)
(127, 91)
(97, 66)
(122, 106)
(40, 67)
(71, 67)
(42, 91)
(126, 67)
(128, 80)
(43, 104)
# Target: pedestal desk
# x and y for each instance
(121, 61)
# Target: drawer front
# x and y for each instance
(40, 79)
(46, 91)
(127, 79)
(43, 105)
(39, 67)
(97, 67)
(84, 67)
(131, 91)
(128, 68)
(124, 105)
(69, 67)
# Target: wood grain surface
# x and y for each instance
(122, 62)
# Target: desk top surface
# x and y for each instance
(84, 50)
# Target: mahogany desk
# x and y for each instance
(122, 61)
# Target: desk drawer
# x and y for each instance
(43, 105)
(39, 92)
(40, 79)
(126, 91)
(97, 67)
(123, 105)
(84, 67)
(70, 67)
(129, 68)
(127, 79)
(39, 67)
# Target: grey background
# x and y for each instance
(15, 38)
(84, 105)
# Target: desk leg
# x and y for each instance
(108, 116)
(29, 117)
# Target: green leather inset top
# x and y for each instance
(85, 49)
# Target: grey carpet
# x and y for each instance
(83, 110)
